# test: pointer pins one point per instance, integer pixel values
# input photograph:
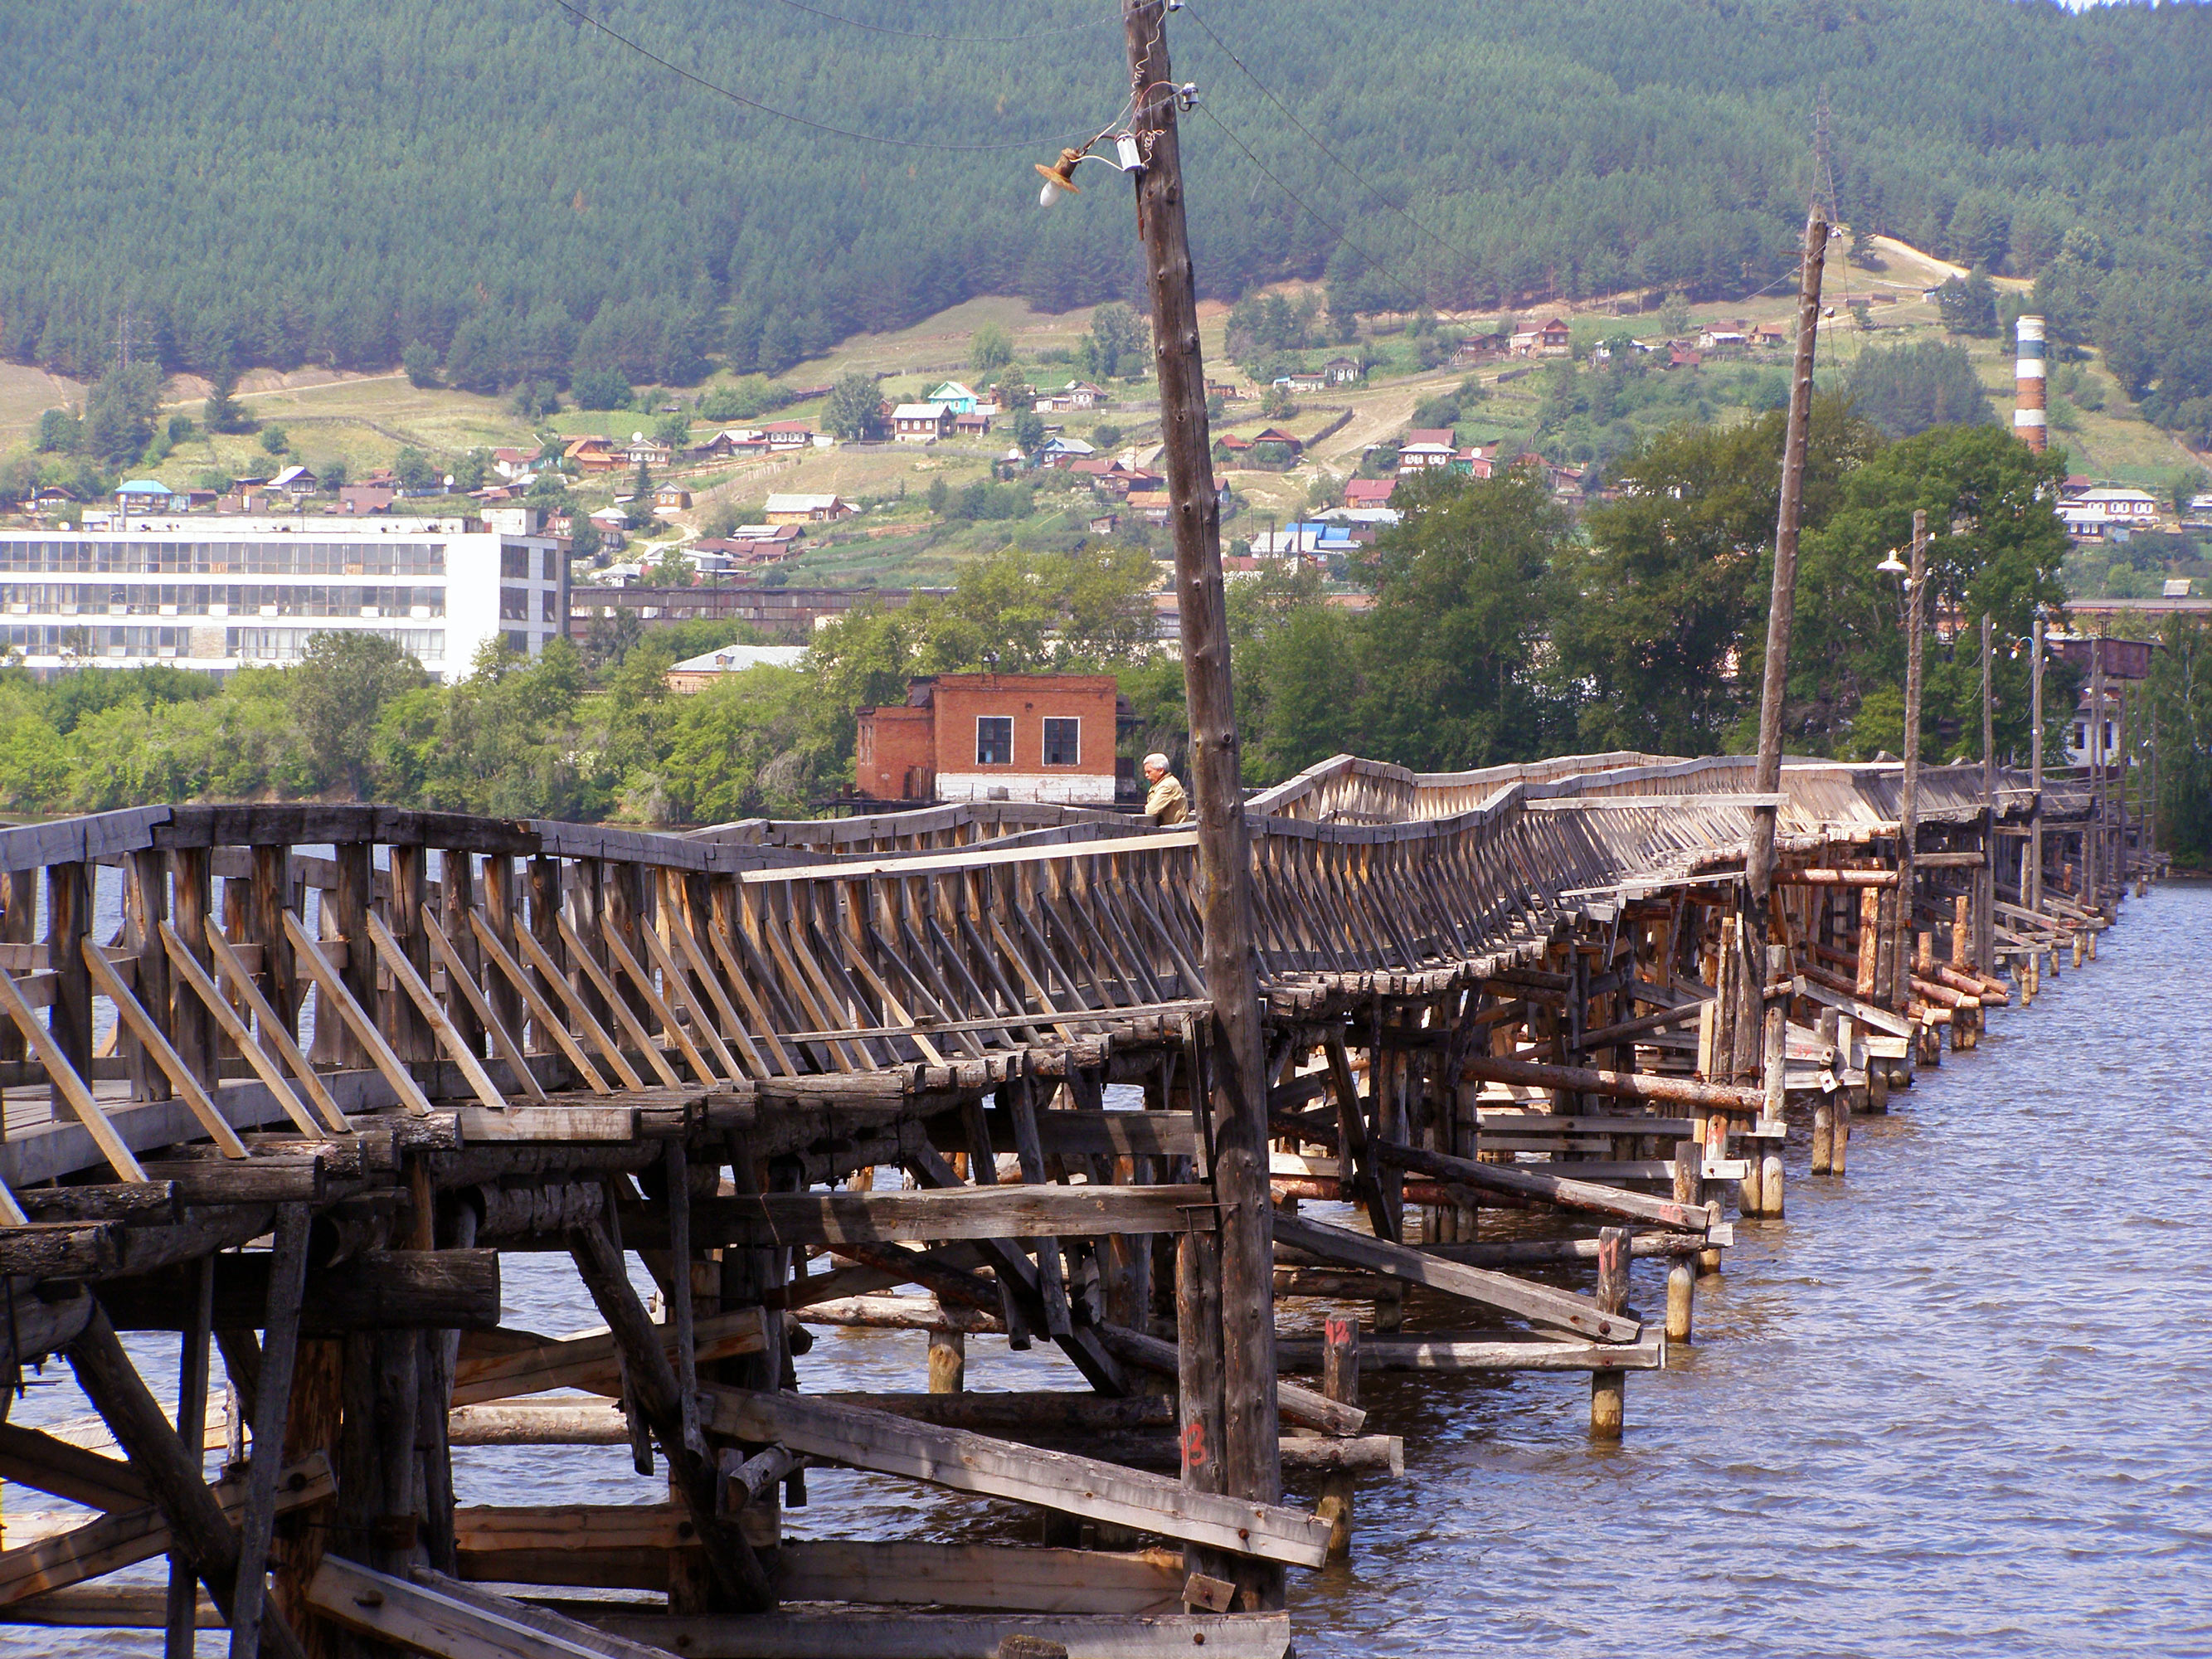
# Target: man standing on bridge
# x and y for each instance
(1167, 803)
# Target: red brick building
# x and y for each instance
(967, 737)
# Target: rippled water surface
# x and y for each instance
(1955, 1405)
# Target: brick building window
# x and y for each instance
(994, 740)
(1063, 742)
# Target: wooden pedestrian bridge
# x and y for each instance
(288, 1082)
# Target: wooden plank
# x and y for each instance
(588, 1362)
(969, 1462)
(448, 1619)
(1497, 1290)
(982, 1576)
(124, 1537)
(550, 1025)
(157, 1044)
(418, 992)
(69, 1085)
(30, 1458)
(955, 1212)
(556, 1123)
(337, 994)
(275, 1030)
(459, 977)
(623, 1013)
(1480, 1352)
(264, 1065)
(853, 1634)
(550, 972)
(625, 1546)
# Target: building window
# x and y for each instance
(549, 603)
(994, 740)
(1063, 742)
(547, 570)
(514, 604)
(2081, 737)
(514, 563)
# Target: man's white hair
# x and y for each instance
(1158, 760)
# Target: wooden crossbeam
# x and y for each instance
(578, 1009)
(187, 967)
(1536, 1302)
(965, 1461)
(275, 1031)
(953, 1212)
(625, 1015)
(307, 951)
(459, 978)
(437, 1615)
(64, 1075)
(131, 1013)
(124, 1537)
(589, 1362)
(426, 1003)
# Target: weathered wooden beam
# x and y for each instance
(124, 1537)
(652, 1387)
(1623, 1086)
(955, 1212)
(1536, 1302)
(904, 1634)
(440, 1616)
(594, 1362)
(378, 1290)
(1446, 1352)
(32, 1458)
(966, 1461)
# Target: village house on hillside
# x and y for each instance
(806, 509)
(1547, 339)
(1342, 371)
(960, 399)
(921, 424)
(592, 454)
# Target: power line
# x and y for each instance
(1314, 138)
(583, 16)
(1337, 231)
(914, 34)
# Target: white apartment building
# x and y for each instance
(223, 593)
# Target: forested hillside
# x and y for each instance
(519, 196)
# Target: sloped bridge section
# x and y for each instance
(291, 1080)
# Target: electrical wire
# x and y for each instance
(1337, 231)
(1314, 138)
(583, 16)
(914, 34)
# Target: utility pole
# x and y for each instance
(2092, 844)
(2031, 888)
(1781, 611)
(1908, 809)
(1248, 1460)
(1985, 886)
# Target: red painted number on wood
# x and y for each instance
(1194, 1445)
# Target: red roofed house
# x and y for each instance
(1369, 492)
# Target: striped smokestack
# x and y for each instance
(2029, 423)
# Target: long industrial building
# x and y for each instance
(223, 593)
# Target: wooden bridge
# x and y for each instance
(288, 1082)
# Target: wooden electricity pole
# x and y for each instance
(2031, 895)
(1780, 613)
(1985, 889)
(1908, 806)
(1249, 1454)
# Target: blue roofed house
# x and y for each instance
(954, 396)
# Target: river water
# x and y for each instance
(1953, 1405)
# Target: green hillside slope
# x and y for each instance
(524, 196)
